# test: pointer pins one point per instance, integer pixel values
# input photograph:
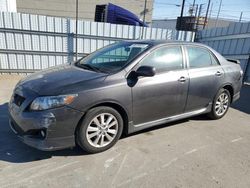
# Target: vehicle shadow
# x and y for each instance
(243, 104)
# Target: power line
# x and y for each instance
(176, 5)
(209, 1)
(233, 4)
(223, 10)
(213, 14)
(234, 18)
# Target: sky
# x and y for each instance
(230, 9)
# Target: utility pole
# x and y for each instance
(193, 7)
(195, 21)
(196, 11)
(218, 14)
(204, 25)
(182, 9)
(144, 12)
(198, 19)
(240, 16)
(210, 10)
(144, 17)
(76, 29)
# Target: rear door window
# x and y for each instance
(199, 57)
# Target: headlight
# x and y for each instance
(44, 103)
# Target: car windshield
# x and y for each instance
(113, 57)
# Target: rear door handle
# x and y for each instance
(182, 79)
(218, 73)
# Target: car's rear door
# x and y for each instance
(205, 74)
(164, 94)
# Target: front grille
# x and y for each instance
(18, 100)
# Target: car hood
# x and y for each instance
(59, 79)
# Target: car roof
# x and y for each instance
(159, 42)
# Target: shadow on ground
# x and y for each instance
(243, 104)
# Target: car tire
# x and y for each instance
(221, 104)
(100, 129)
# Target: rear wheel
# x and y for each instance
(100, 129)
(221, 104)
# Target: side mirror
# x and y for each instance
(146, 71)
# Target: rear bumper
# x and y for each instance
(47, 130)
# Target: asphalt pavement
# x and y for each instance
(195, 152)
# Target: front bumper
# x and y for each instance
(46, 130)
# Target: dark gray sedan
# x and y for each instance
(122, 88)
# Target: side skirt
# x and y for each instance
(133, 128)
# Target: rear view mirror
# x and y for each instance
(146, 71)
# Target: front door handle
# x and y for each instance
(182, 79)
(218, 73)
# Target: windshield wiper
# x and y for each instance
(88, 67)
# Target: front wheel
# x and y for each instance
(100, 129)
(221, 104)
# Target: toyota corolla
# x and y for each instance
(122, 88)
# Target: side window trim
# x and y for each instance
(185, 56)
(214, 57)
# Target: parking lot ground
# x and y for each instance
(195, 152)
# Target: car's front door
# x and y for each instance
(206, 76)
(164, 94)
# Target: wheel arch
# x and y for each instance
(230, 88)
(118, 107)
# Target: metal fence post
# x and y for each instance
(134, 32)
(70, 42)
(177, 35)
(70, 45)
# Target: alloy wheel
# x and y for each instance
(222, 104)
(102, 130)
